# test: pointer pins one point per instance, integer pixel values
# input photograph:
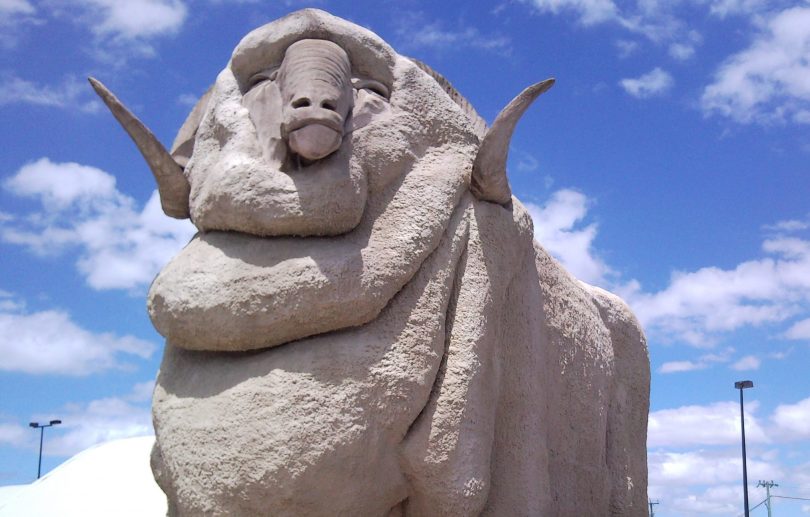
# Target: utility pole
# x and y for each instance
(768, 485)
(652, 510)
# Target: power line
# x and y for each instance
(754, 508)
(788, 497)
(652, 510)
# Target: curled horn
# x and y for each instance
(172, 183)
(489, 181)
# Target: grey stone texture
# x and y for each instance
(363, 325)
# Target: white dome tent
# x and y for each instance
(111, 478)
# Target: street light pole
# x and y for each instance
(741, 385)
(41, 428)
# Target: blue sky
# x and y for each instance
(670, 164)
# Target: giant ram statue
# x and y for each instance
(363, 325)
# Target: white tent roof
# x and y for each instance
(111, 478)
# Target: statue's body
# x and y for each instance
(363, 325)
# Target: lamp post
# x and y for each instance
(741, 385)
(41, 428)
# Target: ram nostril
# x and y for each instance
(301, 102)
(329, 105)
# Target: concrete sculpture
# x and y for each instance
(363, 324)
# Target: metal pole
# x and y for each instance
(745, 467)
(41, 437)
(41, 427)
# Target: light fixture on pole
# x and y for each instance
(741, 385)
(41, 428)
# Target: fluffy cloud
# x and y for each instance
(557, 229)
(694, 457)
(714, 424)
(120, 29)
(653, 83)
(767, 82)
(703, 362)
(49, 342)
(590, 12)
(723, 8)
(705, 467)
(792, 421)
(11, 7)
(96, 422)
(15, 15)
(416, 32)
(13, 434)
(119, 247)
(69, 94)
(696, 306)
(799, 330)
(749, 362)
(132, 19)
(84, 425)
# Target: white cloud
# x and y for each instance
(15, 17)
(684, 47)
(799, 330)
(626, 47)
(792, 421)
(694, 457)
(557, 229)
(698, 305)
(188, 99)
(142, 392)
(767, 82)
(713, 424)
(653, 83)
(49, 342)
(526, 162)
(87, 424)
(590, 12)
(681, 51)
(10, 303)
(703, 466)
(69, 94)
(59, 185)
(682, 366)
(416, 32)
(121, 28)
(699, 500)
(98, 421)
(132, 19)
(10, 7)
(13, 434)
(84, 425)
(787, 226)
(119, 247)
(723, 8)
(749, 362)
(703, 362)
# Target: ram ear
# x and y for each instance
(489, 182)
(183, 144)
(172, 184)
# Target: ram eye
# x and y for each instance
(265, 75)
(371, 85)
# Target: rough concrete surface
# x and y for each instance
(357, 331)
